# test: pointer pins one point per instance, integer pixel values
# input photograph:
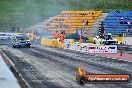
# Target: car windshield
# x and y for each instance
(108, 37)
(21, 38)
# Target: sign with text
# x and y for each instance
(103, 49)
(83, 78)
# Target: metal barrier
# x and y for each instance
(5, 41)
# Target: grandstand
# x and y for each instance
(70, 21)
(117, 22)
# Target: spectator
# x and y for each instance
(93, 18)
(92, 13)
(82, 21)
(129, 28)
(102, 26)
(118, 11)
(123, 22)
(129, 22)
(87, 22)
(122, 18)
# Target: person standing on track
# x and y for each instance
(123, 34)
(80, 40)
(56, 34)
(62, 37)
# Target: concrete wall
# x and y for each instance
(127, 40)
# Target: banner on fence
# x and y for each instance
(103, 49)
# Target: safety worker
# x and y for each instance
(123, 34)
(56, 34)
(62, 37)
(80, 40)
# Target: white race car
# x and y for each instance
(107, 40)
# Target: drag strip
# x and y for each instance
(125, 49)
(110, 64)
(45, 67)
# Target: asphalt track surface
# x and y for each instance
(46, 67)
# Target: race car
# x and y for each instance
(21, 41)
(107, 40)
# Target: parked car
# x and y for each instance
(107, 40)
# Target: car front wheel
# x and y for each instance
(94, 42)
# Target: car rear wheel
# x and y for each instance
(94, 42)
(28, 46)
(14, 46)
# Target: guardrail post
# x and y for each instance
(121, 53)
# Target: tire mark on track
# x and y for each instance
(34, 80)
(115, 70)
(95, 85)
(120, 86)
